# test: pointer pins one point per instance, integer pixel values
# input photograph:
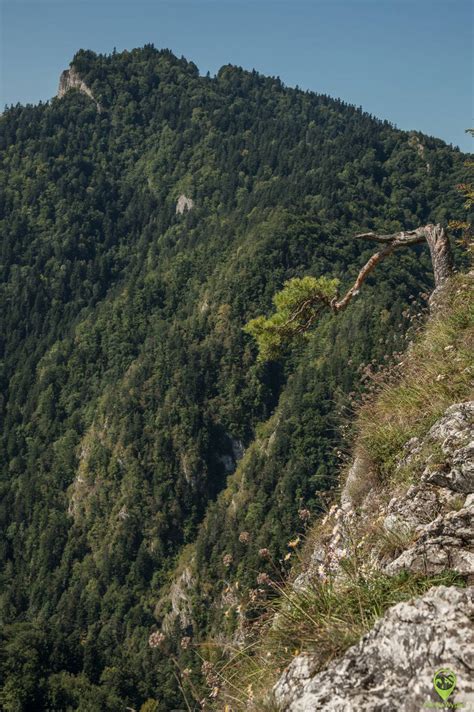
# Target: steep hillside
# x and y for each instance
(377, 601)
(148, 213)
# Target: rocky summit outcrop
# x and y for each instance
(392, 667)
(70, 79)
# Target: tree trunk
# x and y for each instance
(441, 254)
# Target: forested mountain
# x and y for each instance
(144, 222)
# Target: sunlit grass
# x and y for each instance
(435, 373)
(324, 620)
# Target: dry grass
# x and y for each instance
(324, 619)
(327, 617)
(436, 372)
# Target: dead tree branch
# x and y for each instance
(434, 235)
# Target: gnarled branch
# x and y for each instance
(434, 235)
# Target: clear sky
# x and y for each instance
(408, 61)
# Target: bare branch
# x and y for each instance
(434, 235)
(408, 237)
(361, 277)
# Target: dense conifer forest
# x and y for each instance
(130, 391)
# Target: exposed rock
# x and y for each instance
(292, 682)
(123, 514)
(230, 459)
(454, 433)
(184, 203)
(419, 506)
(238, 449)
(392, 667)
(180, 598)
(445, 543)
(355, 477)
(70, 79)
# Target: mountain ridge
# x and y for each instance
(125, 371)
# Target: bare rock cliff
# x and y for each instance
(392, 667)
(70, 79)
(432, 521)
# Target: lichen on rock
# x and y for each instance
(392, 667)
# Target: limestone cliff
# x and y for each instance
(70, 79)
(430, 529)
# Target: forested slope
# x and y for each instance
(129, 389)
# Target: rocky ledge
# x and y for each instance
(70, 79)
(431, 522)
(392, 667)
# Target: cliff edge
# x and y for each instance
(382, 599)
(70, 79)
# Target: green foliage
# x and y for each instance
(298, 305)
(128, 385)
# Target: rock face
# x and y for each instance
(180, 599)
(432, 520)
(445, 543)
(454, 433)
(70, 79)
(437, 510)
(392, 667)
(184, 203)
(430, 528)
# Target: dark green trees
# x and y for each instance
(128, 385)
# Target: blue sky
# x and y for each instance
(409, 61)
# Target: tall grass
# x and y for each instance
(435, 373)
(324, 619)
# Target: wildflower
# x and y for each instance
(185, 642)
(304, 514)
(156, 639)
(263, 578)
(212, 680)
(244, 537)
(293, 543)
(227, 559)
(264, 553)
(186, 672)
(206, 667)
(322, 572)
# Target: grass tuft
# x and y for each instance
(435, 373)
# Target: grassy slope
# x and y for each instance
(328, 617)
